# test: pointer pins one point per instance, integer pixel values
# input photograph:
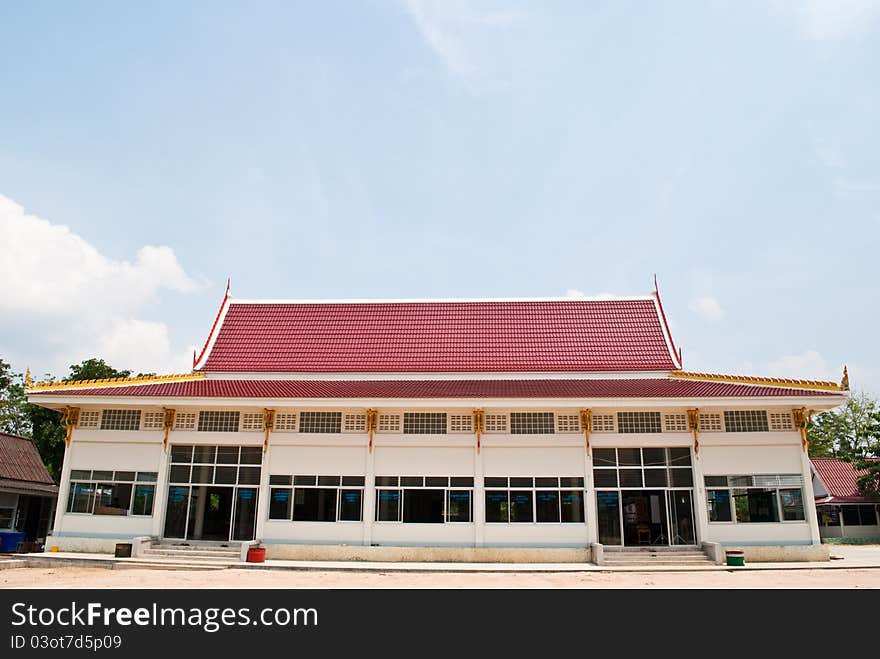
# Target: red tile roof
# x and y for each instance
(599, 388)
(839, 478)
(20, 460)
(457, 336)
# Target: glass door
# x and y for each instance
(176, 511)
(681, 517)
(245, 513)
(608, 517)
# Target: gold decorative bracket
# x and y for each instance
(587, 427)
(168, 417)
(268, 426)
(803, 419)
(478, 428)
(372, 425)
(694, 427)
(69, 419)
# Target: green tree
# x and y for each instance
(13, 405)
(43, 425)
(850, 432)
(869, 483)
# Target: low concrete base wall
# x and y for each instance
(784, 553)
(429, 554)
(84, 545)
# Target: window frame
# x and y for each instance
(535, 489)
(292, 486)
(400, 488)
(731, 488)
(94, 483)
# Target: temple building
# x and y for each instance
(523, 429)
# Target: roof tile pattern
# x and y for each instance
(598, 388)
(839, 478)
(570, 335)
(20, 460)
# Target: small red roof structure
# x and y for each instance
(21, 468)
(624, 334)
(520, 388)
(839, 478)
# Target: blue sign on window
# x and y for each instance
(246, 494)
(280, 495)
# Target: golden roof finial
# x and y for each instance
(844, 383)
(28, 382)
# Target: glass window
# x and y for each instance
(226, 475)
(719, 506)
(393, 481)
(217, 421)
(656, 478)
(142, 504)
(388, 508)
(521, 509)
(123, 476)
(604, 478)
(629, 457)
(350, 505)
(181, 454)
(458, 506)
(572, 482)
(532, 423)
(147, 476)
(792, 504)
(424, 423)
(462, 481)
(755, 505)
(279, 480)
(81, 498)
(314, 504)
(279, 503)
(547, 505)
(639, 422)
(423, 506)
(572, 505)
(496, 506)
(746, 421)
(320, 422)
(7, 518)
(120, 420)
(630, 478)
(112, 498)
(680, 456)
(205, 454)
(227, 455)
(251, 455)
(247, 475)
(682, 477)
(495, 481)
(605, 457)
(353, 481)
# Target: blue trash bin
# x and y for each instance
(9, 541)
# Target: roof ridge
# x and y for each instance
(750, 379)
(463, 300)
(121, 382)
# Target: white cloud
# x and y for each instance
(455, 30)
(826, 20)
(575, 294)
(67, 301)
(808, 365)
(706, 307)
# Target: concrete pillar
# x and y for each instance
(369, 494)
(160, 499)
(263, 496)
(810, 500)
(63, 489)
(479, 500)
(590, 512)
(701, 511)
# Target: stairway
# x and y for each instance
(655, 556)
(195, 553)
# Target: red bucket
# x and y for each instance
(256, 555)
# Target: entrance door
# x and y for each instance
(213, 513)
(681, 517)
(245, 519)
(644, 517)
(608, 517)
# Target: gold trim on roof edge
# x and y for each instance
(113, 382)
(748, 379)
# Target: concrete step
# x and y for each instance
(195, 547)
(233, 555)
(664, 561)
(162, 565)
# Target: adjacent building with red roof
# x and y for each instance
(479, 429)
(27, 493)
(843, 511)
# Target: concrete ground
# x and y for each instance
(852, 567)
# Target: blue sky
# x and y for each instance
(420, 149)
